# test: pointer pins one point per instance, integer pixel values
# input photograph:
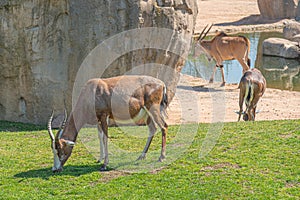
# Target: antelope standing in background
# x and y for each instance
(252, 86)
(223, 47)
(123, 99)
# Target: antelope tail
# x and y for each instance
(247, 41)
(248, 51)
(248, 62)
(164, 103)
(249, 94)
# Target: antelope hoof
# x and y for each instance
(103, 168)
(142, 157)
(211, 80)
(223, 84)
(161, 159)
(57, 170)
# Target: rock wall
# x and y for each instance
(278, 9)
(43, 44)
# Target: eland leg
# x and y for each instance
(100, 136)
(254, 113)
(252, 107)
(104, 127)
(241, 102)
(152, 130)
(223, 75)
(159, 120)
(164, 131)
(244, 64)
(211, 80)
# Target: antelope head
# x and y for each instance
(61, 148)
(205, 45)
(246, 115)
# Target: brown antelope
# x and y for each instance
(223, 47)
(252, 86)
(123, 99)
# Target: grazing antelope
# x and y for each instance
(123, 99)
(252, 86)
(223, 47)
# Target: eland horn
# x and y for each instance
(199, 38)
(206, 32)
(59, 133)
(65, 120)
(50, 126)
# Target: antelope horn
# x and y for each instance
(65, 119)
(59, 134)
(207, 32)
(50, 127)
(199, 38)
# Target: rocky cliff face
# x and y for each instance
(278, 9)
(43, 44)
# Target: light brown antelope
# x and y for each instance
(252, 86)
(223, 47)
(123, 99)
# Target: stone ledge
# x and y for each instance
(281, 47)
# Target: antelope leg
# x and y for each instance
(211, 80)
(152, 130)
(100, 136)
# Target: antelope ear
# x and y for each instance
(238, 112)
(68, 143)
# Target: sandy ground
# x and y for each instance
(198, 101)
(233, 16)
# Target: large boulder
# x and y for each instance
(281, 47)
(291, 31)
(278, 9)
(43, 44)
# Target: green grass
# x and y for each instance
(259, 160)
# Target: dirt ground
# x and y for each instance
(233, 16)
(198, 101)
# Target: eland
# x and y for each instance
(224, 47)
(124, 99)
(252, 87)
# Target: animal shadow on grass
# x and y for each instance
(7, 126)
(70, 170)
